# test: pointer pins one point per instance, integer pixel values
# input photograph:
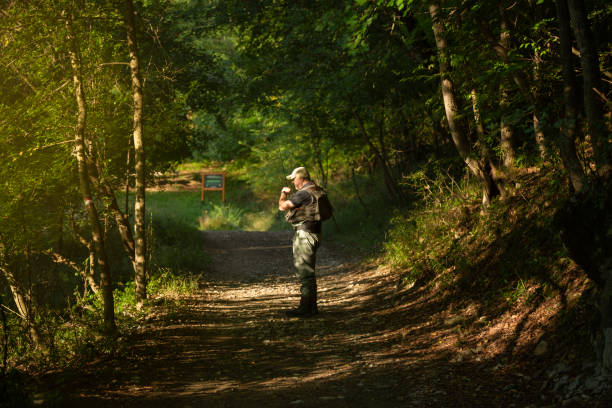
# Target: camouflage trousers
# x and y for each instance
(305, 245)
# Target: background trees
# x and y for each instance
(376, 88)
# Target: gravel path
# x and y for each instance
(229, 345)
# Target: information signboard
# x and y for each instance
(213, 181)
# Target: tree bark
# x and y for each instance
(79, 151)
(139, 159)
(23, 303)
(585, 222)
(121, 219)
(591, 82)
(567, 146)
(451, 108)
(507, 138)
(538, 128)
(492, 188)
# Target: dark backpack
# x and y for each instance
(325, 210)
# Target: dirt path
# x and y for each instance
(231, 346)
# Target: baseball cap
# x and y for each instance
(299, 171)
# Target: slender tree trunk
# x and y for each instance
(606, 319)
(121, 219)
(567, 146)
(506, 131)
(127, 179)
(591, 82)
(538, 128)
(23, 303)
(507, 142)
(139, 206)
(451, 108)
(122, 222)
(87, 273)
(79, 151)
(90, 271)
(492, 188)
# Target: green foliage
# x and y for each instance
(221, 217)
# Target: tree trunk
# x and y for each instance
(23, 303)
(87, 272)
(79, 151)
(606, 319)
(122, 221)
(139, 205)
(567, 146)
(90, 271)
(585, 222)
(507, 142)
(538, 128)
(591, 82)
(450, 106)
(491, 188)
(127, 178)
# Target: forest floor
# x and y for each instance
(374, 343)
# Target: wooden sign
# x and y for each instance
(213, 181)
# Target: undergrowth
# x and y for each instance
(507, 253)
(72, 332)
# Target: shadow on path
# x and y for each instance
(229, 345)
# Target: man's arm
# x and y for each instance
(283, 203)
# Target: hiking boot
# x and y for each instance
(303, 310)
(313, 301)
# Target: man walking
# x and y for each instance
(302, 212)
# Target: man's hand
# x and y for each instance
(283, 203)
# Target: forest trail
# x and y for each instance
(229, 345)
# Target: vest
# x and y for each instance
(310, 212)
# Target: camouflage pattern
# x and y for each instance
(305, 246)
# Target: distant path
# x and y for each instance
(229, 345)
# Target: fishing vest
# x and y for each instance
(319, 209)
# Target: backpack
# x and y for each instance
(325, 210)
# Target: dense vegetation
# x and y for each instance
(425, 120)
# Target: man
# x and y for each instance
(301, 213)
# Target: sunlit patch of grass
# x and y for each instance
(169, 285)
(221, 217)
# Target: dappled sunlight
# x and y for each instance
(229, 342)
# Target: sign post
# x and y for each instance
(213, 181)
